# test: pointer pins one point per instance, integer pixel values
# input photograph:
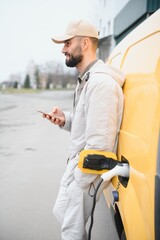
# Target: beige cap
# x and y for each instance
(77, 28)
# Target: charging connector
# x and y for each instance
(121, 169)
(96, 162)
(99, 162)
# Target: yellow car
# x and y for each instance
(137, 211)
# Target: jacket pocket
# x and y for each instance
(68, 176)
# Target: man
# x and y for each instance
(94, 123)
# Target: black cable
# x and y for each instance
(93, 208)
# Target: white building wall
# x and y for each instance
(105, 12)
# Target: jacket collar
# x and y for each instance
(81, 76)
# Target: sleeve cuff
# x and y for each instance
(68, 121)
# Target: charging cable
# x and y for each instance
(121, 169)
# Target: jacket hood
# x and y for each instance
(117, 74)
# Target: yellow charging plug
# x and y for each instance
(86, 152)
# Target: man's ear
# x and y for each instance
(85, 43)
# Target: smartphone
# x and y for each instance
(44, 113)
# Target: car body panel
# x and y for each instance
(138, 56)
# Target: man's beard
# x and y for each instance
(73, 60)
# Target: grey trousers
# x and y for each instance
(72, 209)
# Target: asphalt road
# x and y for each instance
(33, 156)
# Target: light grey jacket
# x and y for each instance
(95, 124)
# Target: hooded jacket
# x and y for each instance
(96, 121)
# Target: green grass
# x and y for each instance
(29, 90)
(20, 91)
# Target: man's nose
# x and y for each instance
(63, 49)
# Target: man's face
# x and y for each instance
(73, 52)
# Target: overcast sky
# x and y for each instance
(26, 28)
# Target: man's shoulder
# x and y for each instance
(99, 73)
(102, 72)
(98, 67)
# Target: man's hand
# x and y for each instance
(56, 116)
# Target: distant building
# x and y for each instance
(107, 11)
(116, 18)
(10, 84)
